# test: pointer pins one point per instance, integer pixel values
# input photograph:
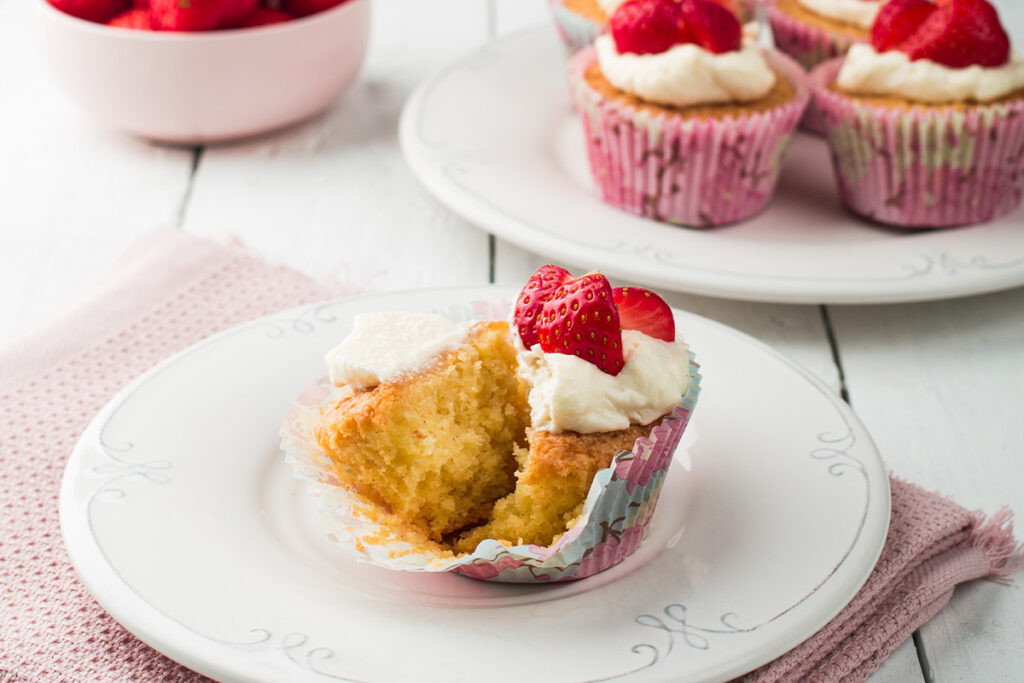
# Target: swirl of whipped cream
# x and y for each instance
(856, 12)
(866, 72)
(687, 74)
(569, 394)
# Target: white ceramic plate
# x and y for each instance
(182, 519)
(493, 137)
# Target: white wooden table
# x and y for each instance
(940, 385)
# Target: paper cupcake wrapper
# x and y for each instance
(923, 166)
(576, 30)
(808, 45)
(813, 120)
(615, 518)
(678, 169)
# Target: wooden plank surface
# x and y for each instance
(940, 387)
(333, 197)
(72, 194)
(939, 384)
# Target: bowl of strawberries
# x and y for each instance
(199, 71)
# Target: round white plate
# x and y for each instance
(183, 520)
(493, 137)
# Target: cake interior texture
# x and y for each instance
(447, 455)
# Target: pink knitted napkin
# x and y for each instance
(172, 289)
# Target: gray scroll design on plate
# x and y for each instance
(836, 448)
(121, 468)
(676, 627)
(295, 646)
(952, 266)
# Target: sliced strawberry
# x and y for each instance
(642, 310)
(100, 11)
(897, 20)
(134, 18)
(711, 25)
(539, 288)
(265, 17)
(646, 26)
(960, 33)
(581, 320)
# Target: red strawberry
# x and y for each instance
(642, 310)
(732, 5)
(200, 15)
(302, 8)
(581, 320)
(960, 33)
(711, 25)
(100, 11)
(652, 26)
(135, 18)
(265, 17)
(897, 20)
(539, 288)
(646, 26)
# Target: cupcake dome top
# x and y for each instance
(921, 51)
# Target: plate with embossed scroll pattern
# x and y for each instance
(184, 521)
(493, 137)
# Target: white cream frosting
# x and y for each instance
(860, 13)
(566, 393)
(383, 346)
(569, 394)
(866, 72)
(687, 74)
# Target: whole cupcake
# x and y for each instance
(579, 22)
(926, 123)
(687, 119)
(525, 452)
(812, 31)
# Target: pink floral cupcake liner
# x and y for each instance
(615, 519)
(808, 45)
(926, 166)
(690, 171)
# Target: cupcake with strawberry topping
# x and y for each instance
(687, 119)
(926, 122)
(812, 31)
(500, 451)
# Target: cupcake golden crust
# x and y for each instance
(483, 460)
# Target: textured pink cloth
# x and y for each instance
(171, 290)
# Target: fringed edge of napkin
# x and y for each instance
(994, 538)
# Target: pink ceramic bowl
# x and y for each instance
(192, 88)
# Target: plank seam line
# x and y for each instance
(492, 32)
(834, 348)
(197, 153)
(922, 657)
